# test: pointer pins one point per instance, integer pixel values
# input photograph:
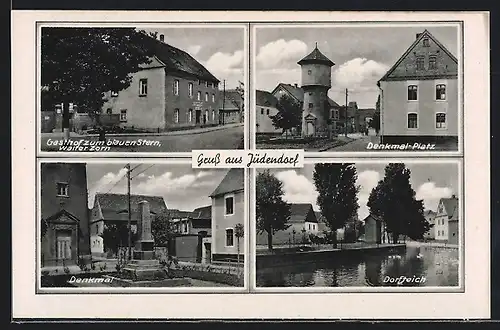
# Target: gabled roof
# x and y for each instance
(58, 215)
(372, 216)
(454, 217)
(265, 99)
(175, 214)
(450, 204)
(316, 57)
(300, 212)
(178, 60)
(204, 212)
(425, 34)
(114, 205)
(232, 182)
(298, 93)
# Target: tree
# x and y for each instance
(241, 91)
(289, 114)
(272, 212)
(162, 229)
(238, 232)
(393, 199)
(375, 122)
(337, 194)
(80, 65)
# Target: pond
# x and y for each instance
(417, 266)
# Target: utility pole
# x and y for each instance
(129, 215)
(346, 111)
(223, 101)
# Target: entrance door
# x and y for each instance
(63, 247)
(310, 128)
(198, 116)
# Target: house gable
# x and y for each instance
(406, 67)
(63, 217)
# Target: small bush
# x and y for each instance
(45, 272)
(66, 270)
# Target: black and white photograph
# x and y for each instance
(354, 88)
(360, 224)
(141, 89)
(109, 224)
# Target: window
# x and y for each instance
(426, 42)
(213, 115)
(310, 105)
(229, 237)
(198, 96)
(190, 89)
(439, 232)
(62, 189)
(206, 83)
(229, 203)
(261, 111)
(213, 98)
(310, 93)
(432, 62)
(267, 112)
(190, 115)
(440, 120)
(200, 82)
(176, 116)
(309, 72)
(176, 87)
(206, 97)
(109, 111)
(412, 120)
(114, 94)
(123, 115)
(412, 92)
(143, 87)
(420, 63)
(440, 92)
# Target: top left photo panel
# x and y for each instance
(165, 89)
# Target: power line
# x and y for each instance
(116, 182)
(147, 168)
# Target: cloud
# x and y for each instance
(167, 183)
(297, 188)
(105, 183)
(194, 49)
(225, 63)
(358, 73)
(280, 53)
(367, 180)
(431, 194)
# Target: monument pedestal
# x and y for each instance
(144, 270)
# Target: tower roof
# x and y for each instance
(316, 57)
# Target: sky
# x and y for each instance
(181, 186)
(220, 50)
(362, 55)
(430, 181)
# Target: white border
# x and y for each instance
(64, 23)
(380, 289)
(85, 290)
(473, 303)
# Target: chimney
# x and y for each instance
(296, 85)
(418, 35)
(144, 223)
(454, 196)
(162, 38)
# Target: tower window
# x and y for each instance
(310, 105)
(309, 72)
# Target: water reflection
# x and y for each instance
(418, 266)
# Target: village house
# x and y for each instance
(173, 91)
(231, 108)
(265, 109)
(429, 217)
(228, 210)
(112, 209)
(373, 229)
(333, 109)
(64, 213)
(302, 223)
(446, 220)
(198, 222)
(419, 95)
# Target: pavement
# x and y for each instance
(358, 142)
(229, 136)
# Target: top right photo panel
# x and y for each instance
(364, 87)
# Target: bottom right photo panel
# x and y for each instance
(387, 224)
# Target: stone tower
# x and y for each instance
(316, 72)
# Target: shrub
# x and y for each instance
(66, 270)
(45, 272)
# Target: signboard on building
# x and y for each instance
(197, 105)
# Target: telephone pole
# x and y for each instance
(346, 111)
(129, 215)
(223, 101)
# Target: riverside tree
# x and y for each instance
(272, 211)
(393, 199)
(337, 194)
(79, 65)
(289, 114)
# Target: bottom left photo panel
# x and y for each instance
(141, 225)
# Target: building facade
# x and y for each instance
(266, 107)
(419, 94)
(447, 208)
(64, 213)
(172, 92)
(228, 210)
(231, 108)
(429, 217)
(316, 72)
(198, 222)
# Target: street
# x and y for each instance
(225, 138)
(359, 144)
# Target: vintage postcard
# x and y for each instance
(214, 165)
